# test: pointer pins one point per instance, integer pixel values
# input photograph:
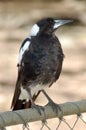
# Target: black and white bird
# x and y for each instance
(39, 64)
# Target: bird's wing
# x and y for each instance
(23, 48)
(60, 58)
(22, 74)
(17, 90)
(58, 70)
(58, 61)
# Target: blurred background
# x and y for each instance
(16, 20)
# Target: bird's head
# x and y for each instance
(47, 26)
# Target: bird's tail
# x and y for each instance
(22, 104)
(16, 102)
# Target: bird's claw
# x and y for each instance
(40, 109)
(54, 106)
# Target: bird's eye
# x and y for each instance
(50, 23)
(50, 20)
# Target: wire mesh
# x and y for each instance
(62, 124)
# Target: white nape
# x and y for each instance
(22, 50)
(34, 30)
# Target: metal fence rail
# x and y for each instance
(25, 116)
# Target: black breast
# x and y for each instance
(43, 61)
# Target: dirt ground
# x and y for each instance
(71, 85)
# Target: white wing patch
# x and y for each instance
(22, 50)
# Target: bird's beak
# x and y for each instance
(59, 23)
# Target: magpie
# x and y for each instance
(39, 63)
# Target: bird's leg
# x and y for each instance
(33, 105)
(40, 109)
(54, 106)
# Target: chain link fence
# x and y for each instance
(62, 120)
